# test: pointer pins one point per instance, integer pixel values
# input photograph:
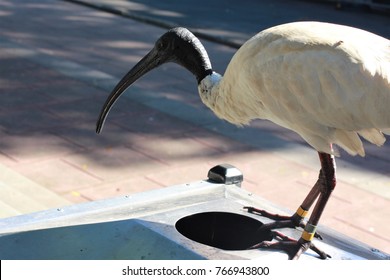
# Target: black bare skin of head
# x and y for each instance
(178, 45)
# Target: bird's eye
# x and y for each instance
(160, 45)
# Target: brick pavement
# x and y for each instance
(56, 72)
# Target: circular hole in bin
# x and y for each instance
(223, 230)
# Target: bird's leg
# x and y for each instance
(295, 220)
(328, 179)
(324, 186)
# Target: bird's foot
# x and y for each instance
(275, 217)
(293, 248)
(280, 221)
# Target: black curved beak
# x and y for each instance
(152, 60)
(177, 45)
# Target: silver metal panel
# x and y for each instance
(142, 226)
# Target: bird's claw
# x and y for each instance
(266, 214)
(281, 221)
(292, 247)
(318, 236)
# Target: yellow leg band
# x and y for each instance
(308, 233)
(301, 212)
(307, 236)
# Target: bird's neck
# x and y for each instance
(209, 89)
(214, 95)
(218, 94)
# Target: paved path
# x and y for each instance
(59, 61)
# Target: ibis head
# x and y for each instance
(178, 45)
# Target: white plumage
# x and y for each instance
(329, 83)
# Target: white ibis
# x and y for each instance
(329, 83)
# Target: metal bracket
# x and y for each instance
(226, 174)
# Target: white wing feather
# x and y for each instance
(329, 83)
